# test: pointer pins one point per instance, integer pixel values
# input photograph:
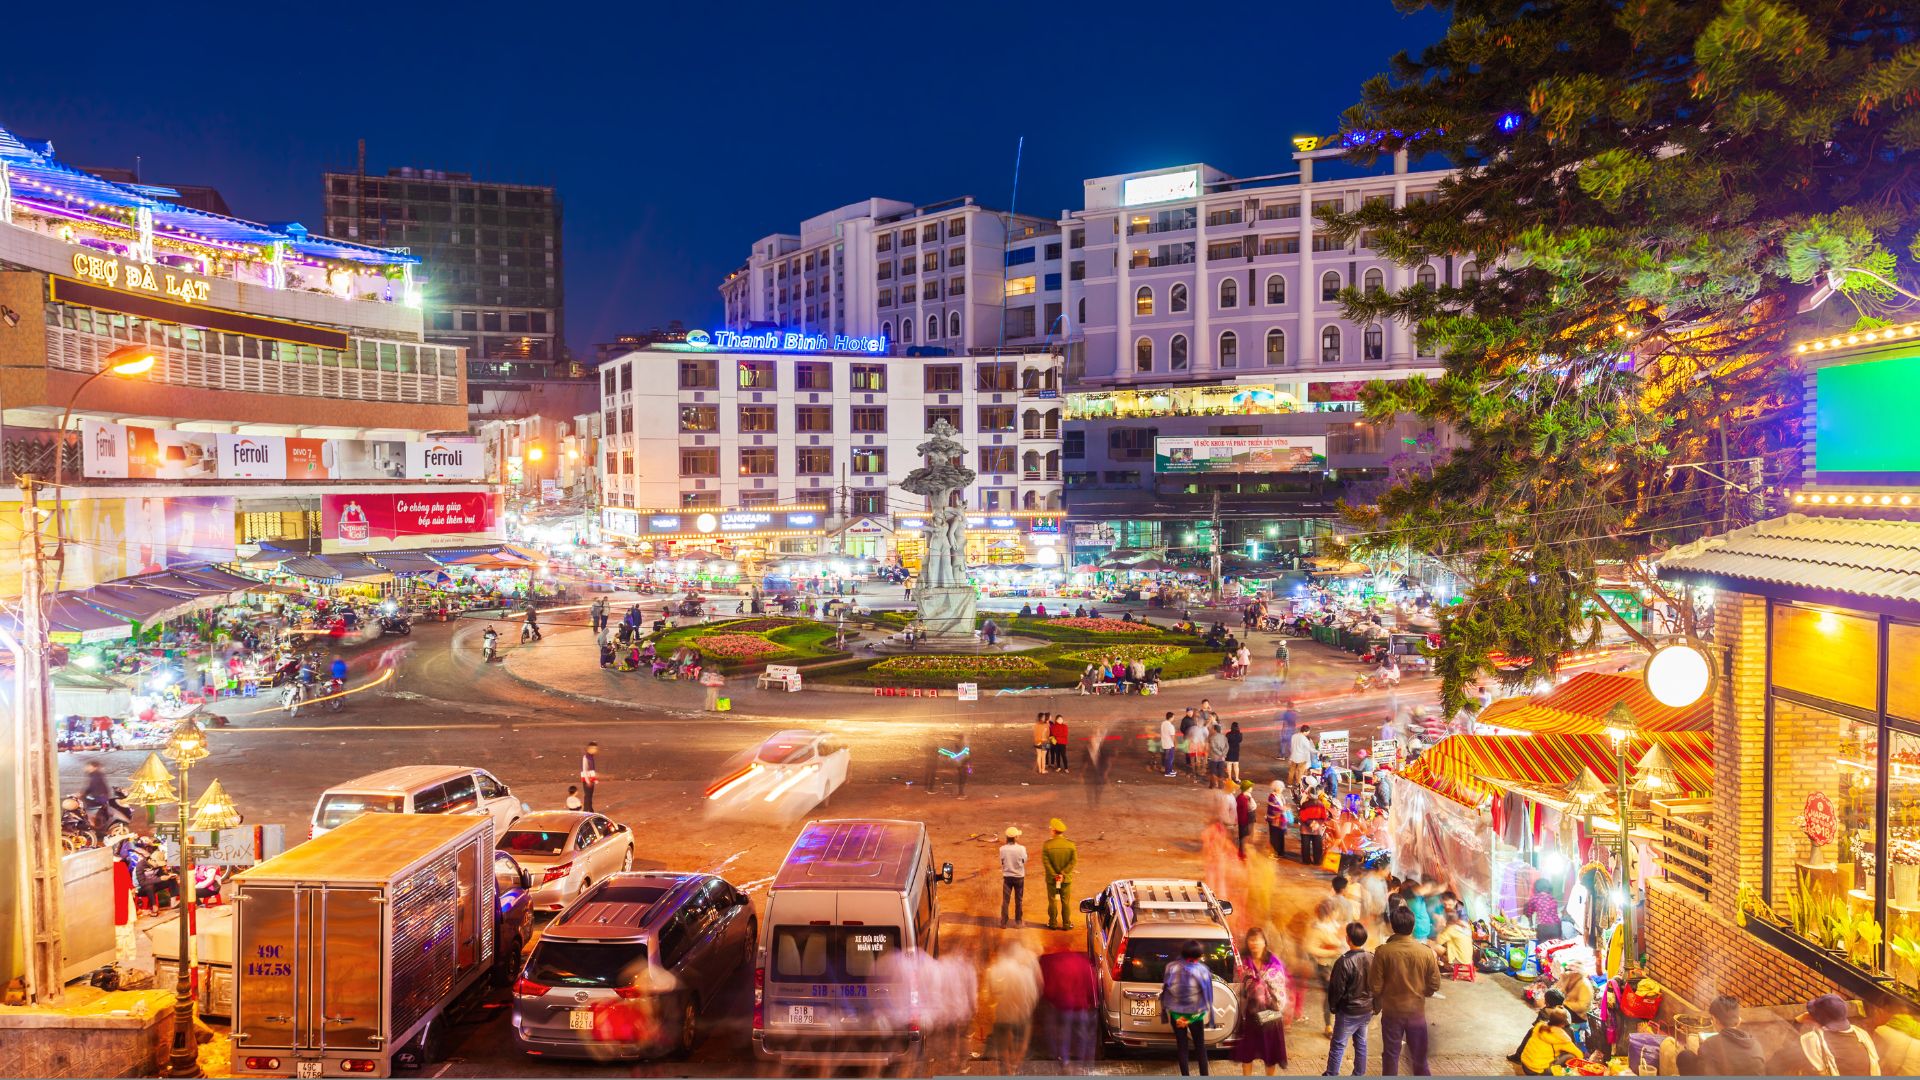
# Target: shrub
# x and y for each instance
(1098, 654)
(959, 666)
(757, 626)
(736, 646)
(1102, 626)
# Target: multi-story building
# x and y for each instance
(1211, 374)
(782, 442)
(949, 277)
(282, 391)
(490, 254)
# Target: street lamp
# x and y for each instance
(1654, 775)
(152, 787)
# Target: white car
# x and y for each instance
(793, 768)
(564, 851)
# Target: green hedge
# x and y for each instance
(1061, 662)
(802, 641)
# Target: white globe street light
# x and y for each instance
(1678, 675)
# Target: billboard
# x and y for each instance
(445, 459)
(1240, 454)
(115, 537)
(373, 520)
(1858, 408)
(127, 452)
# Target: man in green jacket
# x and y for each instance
(1058, 857)
(1405, 973)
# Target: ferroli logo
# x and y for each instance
(248, 452)
(439, 456)
(105, 445)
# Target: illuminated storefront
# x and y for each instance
(1009, 539)
(741, 533)
(1219, 399)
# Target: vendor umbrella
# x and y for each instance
(1148, 566)
(699, 555)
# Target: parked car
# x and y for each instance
(1135, 928)
(798, 768)
(417, 789)
(513, 917)
(626, 970)
(564, 851)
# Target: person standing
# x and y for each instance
(1013, 877)
(1289, 722)
(1042, 730)
(1243, 816)
(1299, 753)
(1350, 999)
(713, 680)
(990, 631)
(1217, 759)
(1277, 819)
(1058, 857)
(1404, 975)
(1234, 738)
(1186, 996)
(1013, 981)
(1169, 743)
(589, 775)
(1057, 741)
(1266, 1006)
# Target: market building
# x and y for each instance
(772, 443)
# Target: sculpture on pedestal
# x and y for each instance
(944, 594)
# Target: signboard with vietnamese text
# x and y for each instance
(1818, 820)
(372, 520)
(131, 452)
(1240, 454)
(729, 522)
(1333, 748)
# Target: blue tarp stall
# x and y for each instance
(407, 563)
(72, 622)
(142, 605)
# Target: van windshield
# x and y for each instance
(587, 963)
(337, 810)
(1147, 958)
(831, 954)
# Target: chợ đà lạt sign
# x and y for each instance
(117, 273)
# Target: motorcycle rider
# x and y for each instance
(96, 798)
(532, 627)
(490, 639)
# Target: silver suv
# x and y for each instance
(1135, 928)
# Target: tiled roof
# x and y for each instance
(1862, 558)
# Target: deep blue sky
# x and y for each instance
(679, 134)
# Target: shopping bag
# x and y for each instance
(1331, 862)
(724, 704)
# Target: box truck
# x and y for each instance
(351, 948)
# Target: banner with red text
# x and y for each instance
(375, 520)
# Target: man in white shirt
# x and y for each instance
(1299, 755)
(1013, 876)
(1169, 741)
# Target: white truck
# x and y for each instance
(350, 948)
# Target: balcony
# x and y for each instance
(1040, 433)
(1179, 223)
(1039, 475)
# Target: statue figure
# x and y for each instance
(944, 485)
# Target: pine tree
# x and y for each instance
(1652, 188)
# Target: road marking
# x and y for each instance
(264, 729)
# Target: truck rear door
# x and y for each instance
(308, 969)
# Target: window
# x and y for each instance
(956, 258)
(909, 265)
(1143, 355)
(1330, 286)
(886, 331)
(1276, 290)
(956, 228)
(992, 376)
(813, 376)
(757, 461)
(1470, 274)
(908, 294)
(1080, 310)
(869, 460)
(956, 287)
(1373, 342)
(1229, 293)
(1276, 347)
(1077, 270)
(884, 242)
(1288, 244)
(699, 373)
(1279, 211)
(1422, 343)
(757, 418)
(1225, 249)
(1330, 345)
(933, 328)
(699, 418)
(1325, 242)
(1229, 349)
(1143, 301)
(953, 318)
(996, 418)
(1019, 256)
(699, 461)
(812, 419)
(906, 330)
(869, 418)
(1425, 276)
(698, 498)
(1073, 444)
(1022, 286)
(1177, 297)
(996, 459)
(1376, 283)
(1130, 443)
(949, 413)
(943, 379)
(869, 377)
(905, 237)
(930, 261)
(1177, 353)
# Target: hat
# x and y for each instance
(1246, 785)
(1057, 825)
(1830, 1011)
(1012, 831)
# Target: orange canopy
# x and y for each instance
(1467, 767)
(1579, 706)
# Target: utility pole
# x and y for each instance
(1213, 546)
(41, 792)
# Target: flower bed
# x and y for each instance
(960, 666)
(728, 646)
(757, 626)
(1102, 626)
(1098, 654)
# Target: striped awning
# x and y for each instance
(1579, 706)
(1468, 767)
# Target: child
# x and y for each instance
(573, 798)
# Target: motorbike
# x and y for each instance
(81, 829)
(335, 695)
(395, 624)
(292, 696)
(489, 647)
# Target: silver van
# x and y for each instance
(851, 896)
(1135, 928)
(418, 789)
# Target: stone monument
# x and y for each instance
(943, 595)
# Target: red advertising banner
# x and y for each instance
(369, 518)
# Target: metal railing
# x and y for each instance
(71, 350)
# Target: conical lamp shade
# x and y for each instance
(1655, 774)
(214, 810)
(151, 784)
(1588, 794)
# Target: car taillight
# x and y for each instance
(759, 997)
(555, 873)
(524, 987)
(268, 1063)
(1119, 956)
(358, 1065)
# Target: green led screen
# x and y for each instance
(1866, 430)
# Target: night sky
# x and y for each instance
(678, 137)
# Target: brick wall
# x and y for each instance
(1699, 955)
(1739, 747)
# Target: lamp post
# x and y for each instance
(1653, 775)
(152, 787)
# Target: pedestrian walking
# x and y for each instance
(1058, 857)
(1299, 753)
(589, 775)
(1169, 744)
(573, 798)
(713, 680)
(1289, 723)
(1404, 975)
(1350, 997)
(1234, 738)
(990, 630)
(1042, 739)
(1243, 817)
(1097, 759)
(1217, 759)
(1186, 997)
(1013, 984)
(1013, 877)
(1072, 993)
(1057, 741)
(1267, 1005)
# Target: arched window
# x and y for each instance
(1143, 355)
(1229, 349)
(1177, 297)
(1082, 312)
(1425, 276)
(1229, 292)
(1143, 301)
(1276, 290)
(1422, 343)
(933, 328)
(1373, 342)
(1470, 274)
(1330, 285)
(953, 324)
(1276, 347)
(1029, 500)
(906, 330)
(886, 330)
(1375, 282)
(1177, 353)
(1030, 463)
(1330, 345)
